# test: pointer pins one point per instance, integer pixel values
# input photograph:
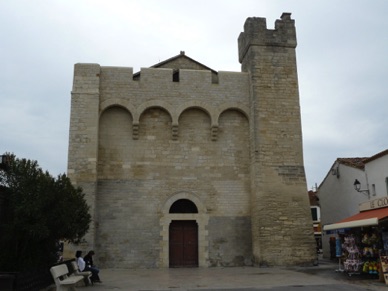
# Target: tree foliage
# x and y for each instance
(40, 210)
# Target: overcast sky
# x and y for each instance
(342, 59)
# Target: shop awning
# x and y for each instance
(365, 218)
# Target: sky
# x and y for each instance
(342, 59)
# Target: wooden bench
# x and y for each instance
(61, 278)
(85, 274)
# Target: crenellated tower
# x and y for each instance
(282, 231)
(186, 166)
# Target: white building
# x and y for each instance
(376, 174)
(337, 194)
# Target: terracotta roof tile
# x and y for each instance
(353, 162)
(376, 156)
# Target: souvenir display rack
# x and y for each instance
(362, 254)
(370, 253)
(353, 262)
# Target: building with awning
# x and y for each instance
(353, 194)
(369, 217)
(362, 239)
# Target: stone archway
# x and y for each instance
(183, 236)
(183, 225)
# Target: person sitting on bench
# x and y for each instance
(84, 266)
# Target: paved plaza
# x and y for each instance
(321, 277)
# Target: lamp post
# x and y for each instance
(357, 187)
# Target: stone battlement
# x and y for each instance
(93, 77)
(256, 33)
(179, 150)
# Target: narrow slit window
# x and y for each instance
(175, 76)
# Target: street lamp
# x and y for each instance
(357, 187)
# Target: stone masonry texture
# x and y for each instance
(229, 142)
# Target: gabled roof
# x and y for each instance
(180, 61)
(350, 162)
(376, 156)
(357, 163)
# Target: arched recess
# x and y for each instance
(194, 127)
(158, 104)
(115, 133)
(155, 124)
(200, 105)
(235, 154)
(232, 106)
(201, 218)
(122, 103)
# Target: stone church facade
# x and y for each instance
(185, 166)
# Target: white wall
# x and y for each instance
(338, 198)
(377, 172)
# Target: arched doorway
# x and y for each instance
(183, 236)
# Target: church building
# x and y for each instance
(185, 166)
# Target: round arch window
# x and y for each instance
(183, 206)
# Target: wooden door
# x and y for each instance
(183, 243)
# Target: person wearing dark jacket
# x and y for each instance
(89, 266)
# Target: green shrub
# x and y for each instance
(39, 210)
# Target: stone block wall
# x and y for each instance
(230, 142)
(137, 176)
(281, 220)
